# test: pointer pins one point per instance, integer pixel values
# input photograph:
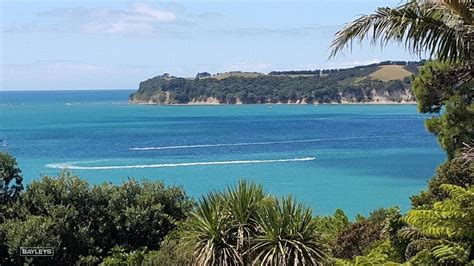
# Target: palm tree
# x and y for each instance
(288, 235)
(206, 234)
(242, 204)
(443, 28)
(244, 225)
(221, 228)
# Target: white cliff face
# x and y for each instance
(369, 96)
(209, 100)
(399, 96)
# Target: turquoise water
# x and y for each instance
(356, 157)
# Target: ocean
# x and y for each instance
(355, 157)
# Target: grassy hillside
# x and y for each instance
(236, 74)
(390, 72)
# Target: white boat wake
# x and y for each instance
(77, 167)
(245, 143)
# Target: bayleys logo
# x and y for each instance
(37, 251)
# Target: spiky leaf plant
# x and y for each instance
(288, 235)
(207, 234)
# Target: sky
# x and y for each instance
(83, 44)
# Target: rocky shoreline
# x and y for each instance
(399, 97)
(211, 102)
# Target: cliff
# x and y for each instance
(388, 82)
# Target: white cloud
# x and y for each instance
(137, 19)
(146, 11)
(141, 19)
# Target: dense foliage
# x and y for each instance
(352, 84)
(452, 172)
(331, 226)
(447, 87)
(9, 172)
(357, 237)
(85, 223)
(449, 224)
(9, 193)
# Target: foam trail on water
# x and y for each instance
(244, 143)
(76, 167)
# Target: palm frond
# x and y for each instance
(459, 8)
(288, 235)
(409, 233)
(420, 27)
(451, 253)
(206, 234)
(241, 204)
(452, 218)
(467, 155)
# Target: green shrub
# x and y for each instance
(355, 238)
(84, 222)
(454, 172)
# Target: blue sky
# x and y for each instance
(116, 44)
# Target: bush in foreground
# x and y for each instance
(88, 222)
(244, 225)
